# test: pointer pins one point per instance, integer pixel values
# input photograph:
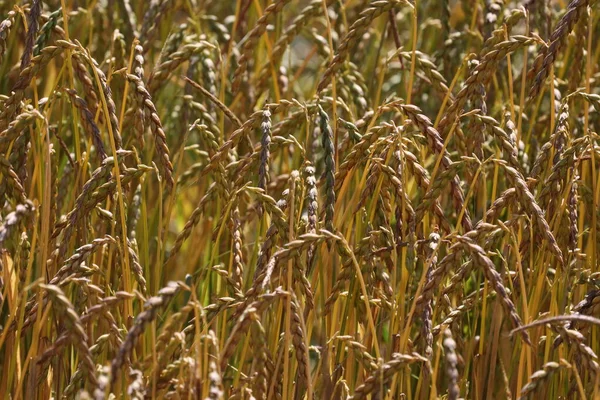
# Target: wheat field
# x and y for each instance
(275, 199)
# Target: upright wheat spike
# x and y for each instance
(451, 365)
(329, 173)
